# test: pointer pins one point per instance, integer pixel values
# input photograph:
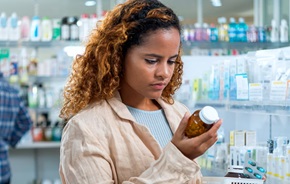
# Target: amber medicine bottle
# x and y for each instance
(201, 121)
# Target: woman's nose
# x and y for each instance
(163, 70)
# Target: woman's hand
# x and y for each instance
(196, 146)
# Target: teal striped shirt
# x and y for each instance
(156, 122)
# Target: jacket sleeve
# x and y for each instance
(171, 167)
(83, 160)
(22, 124)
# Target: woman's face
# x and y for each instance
(149, 66)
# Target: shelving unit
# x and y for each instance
(39, 44)
(263, 107)
(245, 46)
(32, 162)
(38, 145)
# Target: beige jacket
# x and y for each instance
(104, 144)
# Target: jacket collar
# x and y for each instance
(122, 111)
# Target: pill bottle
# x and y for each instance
(201, 121)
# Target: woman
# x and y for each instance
(123, 124)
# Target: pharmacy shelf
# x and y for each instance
(54, 43)
(235, 45)
(41, 79)
(38, 145)
(241, 46)
(261, 107)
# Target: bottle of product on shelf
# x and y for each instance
(46, 29)
(283, 31)
(22, 66)
(223, 29)
(93, 21)
(25, 28)
(84, 29)
(41, 96)
(33, 96)
(3, 27)
(65, 29)
(56, 131)
(13, 68)
(252, 34)
(242, 30)
(35, 34)
(274, 31)
(185, 33)
(262, 34)
(205, 32)
(191, 33)
(32, 65)
(73, 28)
(197, 32)
(13, 28)
(232, 31)
(56, 29)
(214, 37)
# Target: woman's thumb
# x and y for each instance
(183, 124)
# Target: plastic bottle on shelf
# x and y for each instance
(73, 28)
(205, 32)
(191, 33)
(22, 66)
(32, 65)
(284, 31)
(46, 29)
(3, 27)
(41, 96)
(274, 32)
(13, 28)
(25, 28)
(185, 33)
(232, 31)
(33, 96)
(262, 34)
(93, 21)
(214, 37)
(64, 29)
(197, 32)
(35, 34)
(56, 29)
(56, 132)
(84, 28)
(223, 29)
(252, 34)
(242, 30)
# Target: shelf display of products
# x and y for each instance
(248, 82)
(257, 80)
(43, 29)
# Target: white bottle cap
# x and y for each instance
(208, 115)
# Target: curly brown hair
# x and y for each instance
(96, 74)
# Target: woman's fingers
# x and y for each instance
(211, 132)
(182, 126)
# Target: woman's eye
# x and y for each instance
(171, 62)
(150, 61)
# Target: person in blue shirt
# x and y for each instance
(14, 123)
